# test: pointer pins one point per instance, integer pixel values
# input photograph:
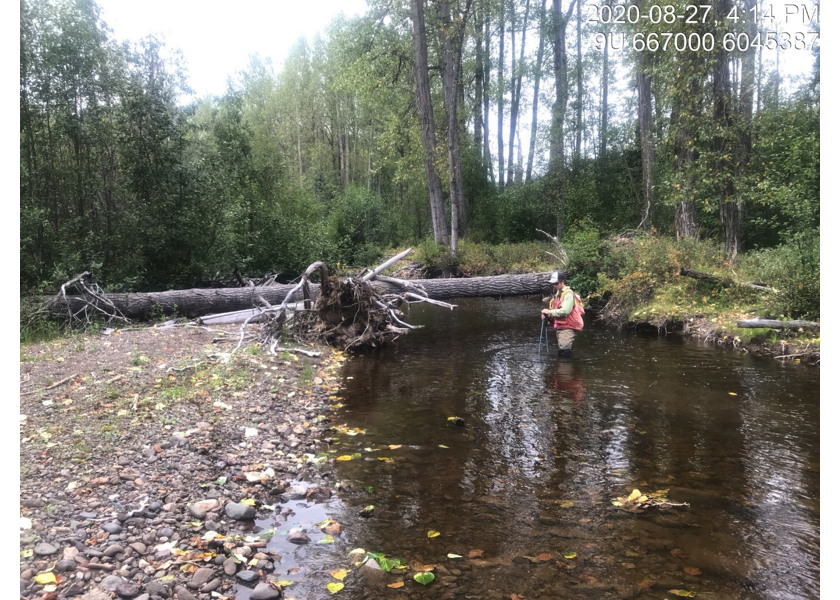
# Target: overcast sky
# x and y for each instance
(216, 38)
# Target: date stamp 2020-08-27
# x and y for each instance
(700, 28)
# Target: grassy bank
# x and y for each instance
(635, 281)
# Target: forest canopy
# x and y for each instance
(417, 122)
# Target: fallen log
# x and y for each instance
(776, 324)
(198, 302)
(723, 281)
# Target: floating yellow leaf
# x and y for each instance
(345, 457)
(339, 574)
(45, 578)
(396, 585)
(442, 446)
(335, 587)
(248, 501)
(284, 583)
(395, 446)
(569, 555)
(450, 555)
(634, 495)
(433, 533)
(682, 593)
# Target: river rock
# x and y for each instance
(211, 586)
(229, 566)
(248, 576)
(138, 547)
(67, 564)
(298, 537)
(111, 582)
(128, 589)
(155, 588)
(96, 595)
(112, 527)
(45, 549)
(183, 594)
(201, 576)
(372, 564)
(297, 492)
(239, 511)
(264, 591)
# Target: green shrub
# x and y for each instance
(794, 270)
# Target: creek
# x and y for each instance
(546, 447)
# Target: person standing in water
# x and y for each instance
(566, 310)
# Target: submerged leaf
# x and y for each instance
(395, 446)
(433, 533)
(396, 585)
(450, 555)
(683, 593)
(339, 574)
(335, 587)
(327, 539)
(567, 504)
(569, 555)
(424, 578)
(345, 457)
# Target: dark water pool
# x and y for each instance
(547, 446)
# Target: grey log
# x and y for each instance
(774, 324)
(197, 302)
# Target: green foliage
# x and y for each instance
(794, 270)
(358, 224)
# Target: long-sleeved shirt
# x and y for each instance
(567, 305)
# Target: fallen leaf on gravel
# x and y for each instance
(248, 501)
(45, 578)
(424, 578)
(396, 585)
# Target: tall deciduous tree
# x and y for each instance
(427, 120)
(557, 162)
(451, 42)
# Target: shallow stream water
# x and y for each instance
(547, 445)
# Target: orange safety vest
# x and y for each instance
(574, 320)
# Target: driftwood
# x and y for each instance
(198, 302)
(776, 324)
(723, 281)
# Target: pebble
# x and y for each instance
(297, 492)
(201, 576)
(264, 591)
(112, 527)
(45, 549)
(113, 550)
(138, 547)
(229, 566)
(298, 537)
(155, 588)
(96, 595)
(248, 576)
(111, 582)
(183, 593)
(240, 512)
(211, 586)
(128, 589)
(67, 564)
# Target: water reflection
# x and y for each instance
(548, 444)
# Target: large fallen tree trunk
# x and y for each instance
(724, 281)
(775, 324)
(197, 302)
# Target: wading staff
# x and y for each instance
(542, 328)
